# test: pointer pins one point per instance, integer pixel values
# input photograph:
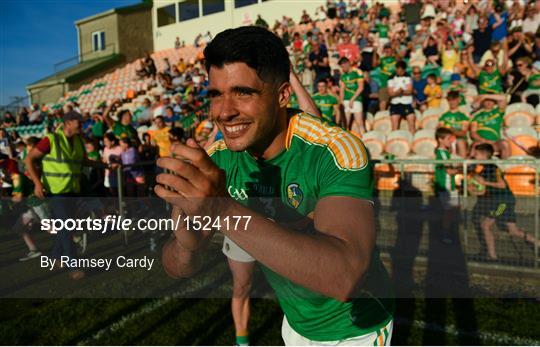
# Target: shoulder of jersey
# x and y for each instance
(217, 146)
(347, 150)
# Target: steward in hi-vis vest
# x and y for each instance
(62, 156)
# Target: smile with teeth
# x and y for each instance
(235, 128)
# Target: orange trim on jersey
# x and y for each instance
(216, 146)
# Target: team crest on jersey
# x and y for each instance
(294, 195)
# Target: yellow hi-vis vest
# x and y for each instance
(62, 167)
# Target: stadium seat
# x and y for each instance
(519, 114)
(430, 118)
(424, 143)
(382, 122)
(398, 143)
(521, 138)
(520, 178)
(374, 141)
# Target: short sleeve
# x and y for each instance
(345, 170)
(44, 145)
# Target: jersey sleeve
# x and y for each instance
(345, 169)
(44, 145)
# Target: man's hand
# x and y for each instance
(197, 184)
(351, 103)
(39, 192)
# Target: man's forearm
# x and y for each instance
(316, 261)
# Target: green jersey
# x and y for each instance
(388, 68)
(120, 130)
(490, 83)
(532, 80)
(350, 80)
(453, 120)
(326, 104)
(489, 123)
(319, 160)
(383, 29)
(443, 181)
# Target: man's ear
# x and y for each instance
(284, 94)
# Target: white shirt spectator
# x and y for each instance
(400, 82)
(530, 25)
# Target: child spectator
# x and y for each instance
(495, 202)
(433, 92)
(445, 184)
(457, 121)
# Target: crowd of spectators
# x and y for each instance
(476, 57)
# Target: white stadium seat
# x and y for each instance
(398, 143)
(374, 142)
(424, 143)
(430, 118)
(519, 114)
(382, 122)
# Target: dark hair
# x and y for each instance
(442, 132)
(343, 60)
(401, 64)
(433, 76)
(127, 141)
(452, 95)
(112, 138)
(486, 148)
(32, 141)
(257, 47)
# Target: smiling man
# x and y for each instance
(306, 187)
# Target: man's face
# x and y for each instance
(417, 74)
(400, 71)
(447, 141)
(490, 66)
(482, 23)
(245, 107)
(345, 67)
(346, 38)
(480, 155)
(321, 87)
(488, 104)
(453, 103)
(159, 123)
(72, 127)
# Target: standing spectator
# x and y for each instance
(387, 64)
(177, 43)
(133, 174)
(400, 91)
(261, 22)
(62, 156)
(445, 184)
(348, 50)
(518, 79)
(123, 127)
(332, 8)
(160, 136)
(319, 60)
(327, 103)
(411, 12)
(111, 154)
(496, 202)
(498, 21)
(351, 86)
(481, 39)
(489, 78)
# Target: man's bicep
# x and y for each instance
(350, 220)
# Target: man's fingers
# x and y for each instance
(171, 197)
(180, 167)
(177, 183)
(195, 154)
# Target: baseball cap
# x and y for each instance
(455, 77)
(73, 115)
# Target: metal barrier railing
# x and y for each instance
(397, 204)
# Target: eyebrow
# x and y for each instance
(236, 89)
